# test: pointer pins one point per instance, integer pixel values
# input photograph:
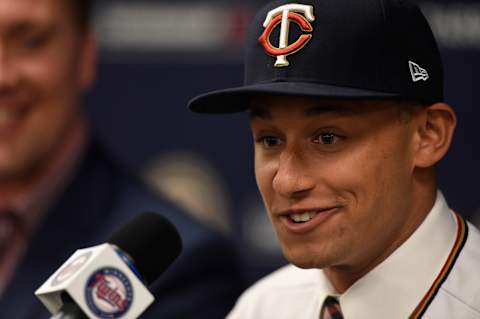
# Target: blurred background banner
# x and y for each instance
(156, 55)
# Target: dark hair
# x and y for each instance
(408, 107)
(82, 12)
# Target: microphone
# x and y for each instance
(108, 280)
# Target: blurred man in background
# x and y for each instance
(59, 189)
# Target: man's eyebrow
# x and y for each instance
(258, 112)
(24, 27)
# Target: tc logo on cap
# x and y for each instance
(283, 15)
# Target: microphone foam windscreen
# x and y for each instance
(151, 241)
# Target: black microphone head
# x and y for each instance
(151, 241)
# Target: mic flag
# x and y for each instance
(108, 280)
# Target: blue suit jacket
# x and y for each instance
(203, 282)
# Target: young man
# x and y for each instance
(347, 114)
(60, 190)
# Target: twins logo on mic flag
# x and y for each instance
(99, 282)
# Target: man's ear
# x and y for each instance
(435, 132)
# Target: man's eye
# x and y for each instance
(327, 138)
(35, 41)
(270, 141)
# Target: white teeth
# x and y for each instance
(302, 218)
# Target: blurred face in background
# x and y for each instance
(46, 63)
(336, 178)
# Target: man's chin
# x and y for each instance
(307, 260)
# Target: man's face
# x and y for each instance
(336, 177)
(45, 64)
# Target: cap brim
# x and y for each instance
(237, 99)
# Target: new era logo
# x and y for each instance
(418, 73)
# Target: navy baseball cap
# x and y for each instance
(347, 49)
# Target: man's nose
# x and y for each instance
(292, 178)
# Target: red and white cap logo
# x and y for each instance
(300, 14)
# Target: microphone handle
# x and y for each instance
(69, 310)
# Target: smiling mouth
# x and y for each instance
(303, 217)
(306, 216)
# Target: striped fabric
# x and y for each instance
(331, 309)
